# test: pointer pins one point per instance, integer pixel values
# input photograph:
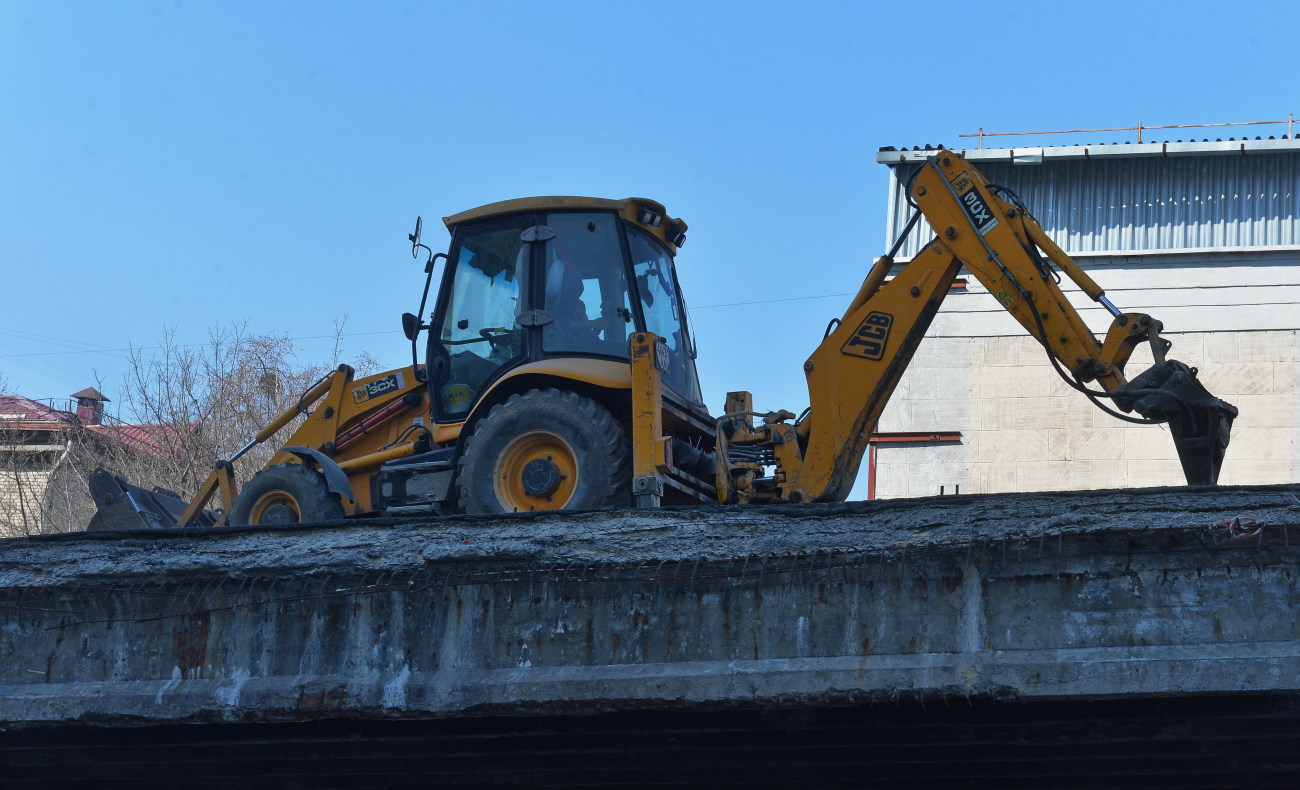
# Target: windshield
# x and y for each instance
(664, 311)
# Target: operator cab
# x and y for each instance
(557, 277)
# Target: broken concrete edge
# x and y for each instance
(480, 569)
(633, 538)
(594, 707)
(770, 684)
(812, 510)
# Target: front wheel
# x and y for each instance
(285, 494)
(545, 450)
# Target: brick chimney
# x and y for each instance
(90, 406)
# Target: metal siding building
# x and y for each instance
(1142, 198)
(1205, 236)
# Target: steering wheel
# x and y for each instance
(494, 335)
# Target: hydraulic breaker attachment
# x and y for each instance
(125, 506)
(1200, 423)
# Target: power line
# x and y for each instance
(32, 336)
(991, 309)
(770, 301)
(178, 345)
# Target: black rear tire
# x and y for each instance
(545, 450)
(285, 494)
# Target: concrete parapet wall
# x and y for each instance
(1033, 596)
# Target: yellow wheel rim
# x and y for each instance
(276, 503)
(536, 471)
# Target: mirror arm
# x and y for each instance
(424, 298)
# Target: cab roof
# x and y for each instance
(647, 214)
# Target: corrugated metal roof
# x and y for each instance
(1033, 154)
(150, 438)
(1136, 198)
(16, 408)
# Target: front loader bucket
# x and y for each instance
(1200, 422)
(125, 506)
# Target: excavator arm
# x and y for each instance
(854, 371)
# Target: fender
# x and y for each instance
(335, 480)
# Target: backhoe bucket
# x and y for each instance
(125, 506)
(1201, 423)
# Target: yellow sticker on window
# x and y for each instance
(456, 396)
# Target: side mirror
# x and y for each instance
(411, 325)
(415, 238)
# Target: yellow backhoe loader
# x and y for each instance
(559, 372)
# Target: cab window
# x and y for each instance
(585, 286)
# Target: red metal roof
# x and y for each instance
(148, 438)
(16, 408)
(29, 415)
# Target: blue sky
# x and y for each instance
(192, 164)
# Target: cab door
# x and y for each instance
(476, 336)
(584, 285)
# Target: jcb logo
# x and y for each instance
(978, 211)
(869, 340)
(364, 392)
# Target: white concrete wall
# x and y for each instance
(22, 493)
(1023, 429)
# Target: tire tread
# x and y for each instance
(602, 427)
(306, 485)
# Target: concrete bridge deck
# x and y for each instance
(647, 636)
